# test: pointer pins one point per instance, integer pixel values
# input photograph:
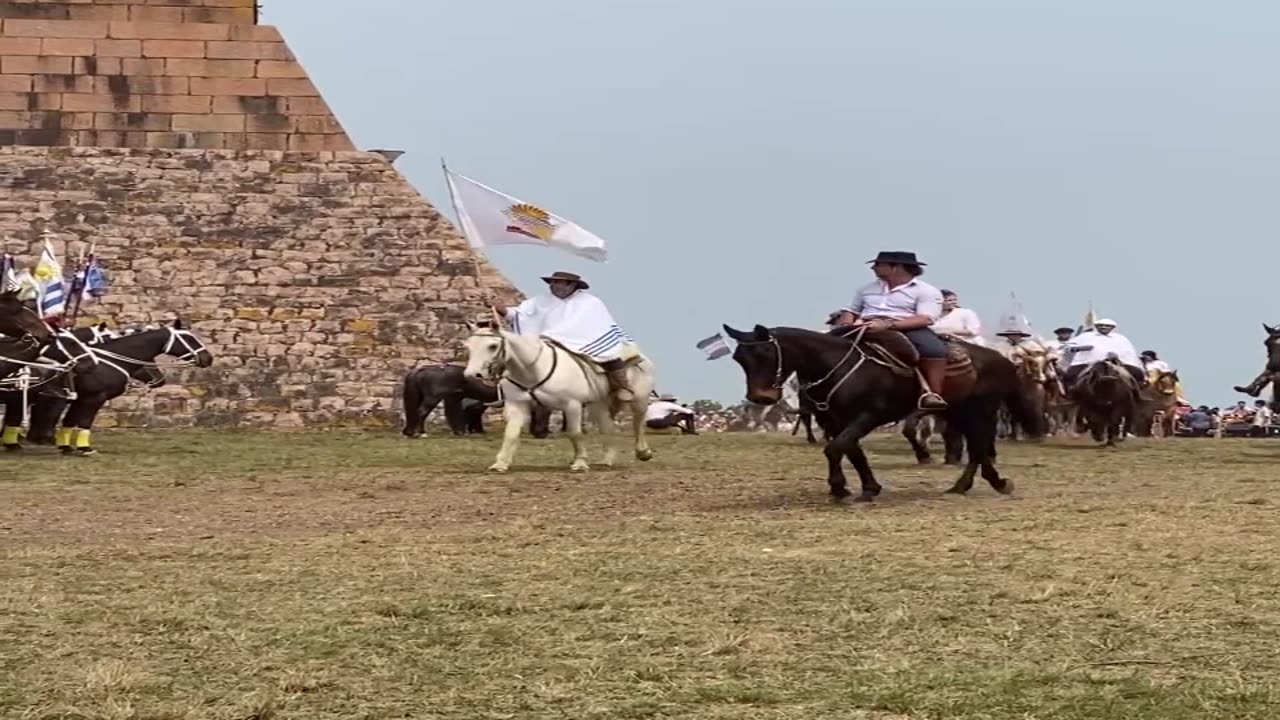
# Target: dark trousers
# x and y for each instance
(684, 422)
(926, 341)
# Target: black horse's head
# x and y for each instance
(762, 360)
(1273, 348)
(19, 317)
(184, 345)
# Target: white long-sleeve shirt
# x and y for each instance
(960, 320)
(1100, 346)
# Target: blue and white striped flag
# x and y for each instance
(53, 293)
(715, 347)
(95, 280)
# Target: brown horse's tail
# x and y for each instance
(1022, 408)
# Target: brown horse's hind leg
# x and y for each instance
(979, 427)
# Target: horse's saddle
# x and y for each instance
(894, 347)
(629, 354)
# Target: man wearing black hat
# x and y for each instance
(577, 320)
(900, 300)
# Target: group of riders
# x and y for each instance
(898, 299)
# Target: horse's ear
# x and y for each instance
(177, 324)
(762, 333)
(1270, 330)
(736, 334)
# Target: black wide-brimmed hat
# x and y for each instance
(1064, 330)
(566, 277)
(896, 257)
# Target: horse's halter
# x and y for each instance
(176, 337)
(64, 338)
(779, 379)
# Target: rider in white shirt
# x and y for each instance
(666, 412)
(1096, 345)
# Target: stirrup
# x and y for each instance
(941, 402)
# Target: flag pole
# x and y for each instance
(476, 252)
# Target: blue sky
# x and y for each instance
(743, 159)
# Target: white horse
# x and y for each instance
(532, 369)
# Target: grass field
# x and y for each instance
(339, 575)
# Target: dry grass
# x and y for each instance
(238, 576)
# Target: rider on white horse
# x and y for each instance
(578, 320)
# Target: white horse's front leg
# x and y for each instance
(573, 428)
(639, 407)
(600, 413)
(517, 415)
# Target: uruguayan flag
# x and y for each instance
(53, 292)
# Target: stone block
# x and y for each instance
(228, 86)
(66, 46)
(35, 65)
(210, 68)
(145, 13)
(16, 83)
(187, 104)
(209, 123)
(168, 31)
(19, 46)
(172, 48)
(280, 69)
(55, 28)
(291, 87)
(247, 50)
(96, 102)
(117, 48)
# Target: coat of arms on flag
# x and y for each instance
(715, 347)
(530, 221)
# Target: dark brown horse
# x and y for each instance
(1109, 400)
(865, 381)
(1270, 373)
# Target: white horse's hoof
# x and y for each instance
(579, 467)
(497, 468)
(644, 455)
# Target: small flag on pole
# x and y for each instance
(489, 217)
(53, 297)
(715, 347)
(1089, 319)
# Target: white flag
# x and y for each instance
(490, 217)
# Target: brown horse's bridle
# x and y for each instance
(779, 379)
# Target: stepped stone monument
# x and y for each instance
(189, 144)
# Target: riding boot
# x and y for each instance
(935, 373)
(1254, 389)
(619, 384)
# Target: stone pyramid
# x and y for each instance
(189, 144)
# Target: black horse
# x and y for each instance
(18, 318)
(861, 383)
(465, 400)
(1108, 399)
(48, 385)
(49, 403)
(118, 360)
(426, 387)
(1270, 373)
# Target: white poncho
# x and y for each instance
(580, 322)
